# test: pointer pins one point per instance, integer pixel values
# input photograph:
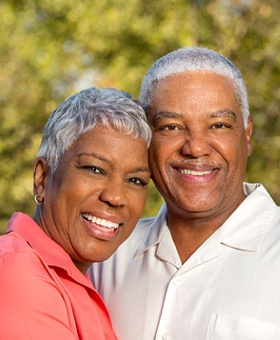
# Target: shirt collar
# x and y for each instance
(154, 234)
(241, 231)
(52, 253)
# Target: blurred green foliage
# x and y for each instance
(50, 49)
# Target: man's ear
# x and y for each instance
(41, 172)
(248, 131)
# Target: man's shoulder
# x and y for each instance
(141, 231)
(127, 250)
(145, 222)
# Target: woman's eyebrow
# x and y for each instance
(93, 155)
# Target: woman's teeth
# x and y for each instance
(101, 221)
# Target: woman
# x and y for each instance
(90, 186)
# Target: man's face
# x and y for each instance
(200, 147)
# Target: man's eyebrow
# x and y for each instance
(223, 113)
(165, 114)
(216, 114)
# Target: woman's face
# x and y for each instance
(93, 201)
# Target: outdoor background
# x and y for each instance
(51, 49)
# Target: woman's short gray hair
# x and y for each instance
(81, 112)
(195, 59)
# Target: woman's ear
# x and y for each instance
(41, 170)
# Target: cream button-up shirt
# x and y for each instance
(229, 289)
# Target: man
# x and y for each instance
(208, 266)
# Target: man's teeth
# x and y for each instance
(194, 173)
(100, 221)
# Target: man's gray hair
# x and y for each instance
(81, 112)
(195, 59)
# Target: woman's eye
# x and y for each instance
(138, 181)
(94, 169)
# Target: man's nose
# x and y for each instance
(196, 144)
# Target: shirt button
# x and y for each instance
(166, 336)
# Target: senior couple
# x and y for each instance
(206, 267)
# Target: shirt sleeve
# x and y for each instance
(31, 303)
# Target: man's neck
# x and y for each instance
(190, 233)
(190, 229)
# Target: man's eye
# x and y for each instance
(169, 127)
(221, 126)
(138, 181)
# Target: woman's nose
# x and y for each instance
(113, 194)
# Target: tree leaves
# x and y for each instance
(50, 49)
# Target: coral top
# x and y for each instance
(42, 293)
